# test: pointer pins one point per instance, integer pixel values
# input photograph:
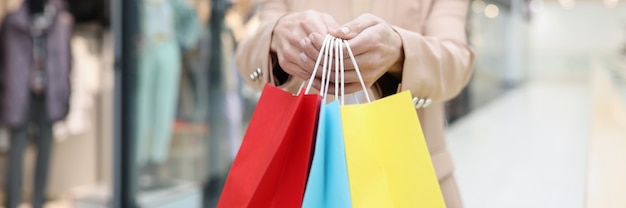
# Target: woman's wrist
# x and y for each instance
(398, 64)
(280, 76)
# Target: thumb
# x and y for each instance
(356, 26)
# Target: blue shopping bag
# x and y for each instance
(328, 185)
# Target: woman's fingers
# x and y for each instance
(309, 50)
(297, 40)
(294, 62)
(366, 41)
(312, 21)
(316, 40)
(353, 28)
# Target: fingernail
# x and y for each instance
(345, 30)
(311, 37)
(303, 57)
(303, 43)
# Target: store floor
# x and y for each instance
(553, 142)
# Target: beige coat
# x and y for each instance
(437, 65)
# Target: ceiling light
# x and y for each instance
(610, 3)
(567, 4)
(491, 11)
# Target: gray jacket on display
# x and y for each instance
(16, 65)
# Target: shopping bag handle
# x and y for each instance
(343, 87)
(333, 44)
(317, 63)
(339, 66)
(334, 48)
(326, 52)
(337, 62)
(358, 71)
(328, 61)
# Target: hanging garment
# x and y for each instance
(158, 74)
(16, 56)
(86, 81)
(19, 140)
(35, 57)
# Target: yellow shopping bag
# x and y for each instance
(387, 157)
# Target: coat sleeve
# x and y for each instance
(253, 53)
(437, 63)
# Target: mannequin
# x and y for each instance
(162, 33)
(35, 57)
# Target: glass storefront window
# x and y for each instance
(497, 33)
(188, 102)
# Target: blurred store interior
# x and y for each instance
(541, 124)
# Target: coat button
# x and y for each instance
(427, 103)
(420, 103)
(254, 76)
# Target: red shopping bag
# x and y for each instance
(271, 167)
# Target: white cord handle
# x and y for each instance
(337, 49)
(329, 46)
(326, 77)
(317, 63)
(358, 72)
(343, 95)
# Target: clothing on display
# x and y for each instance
(35, 55)
(158, 75)
(186, 23)
(86, 84)
(193, 98)
(157, 95)
(17, 55)
(19, 141)
(225, 104)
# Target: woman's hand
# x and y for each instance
(293, 40)
(376, 47)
